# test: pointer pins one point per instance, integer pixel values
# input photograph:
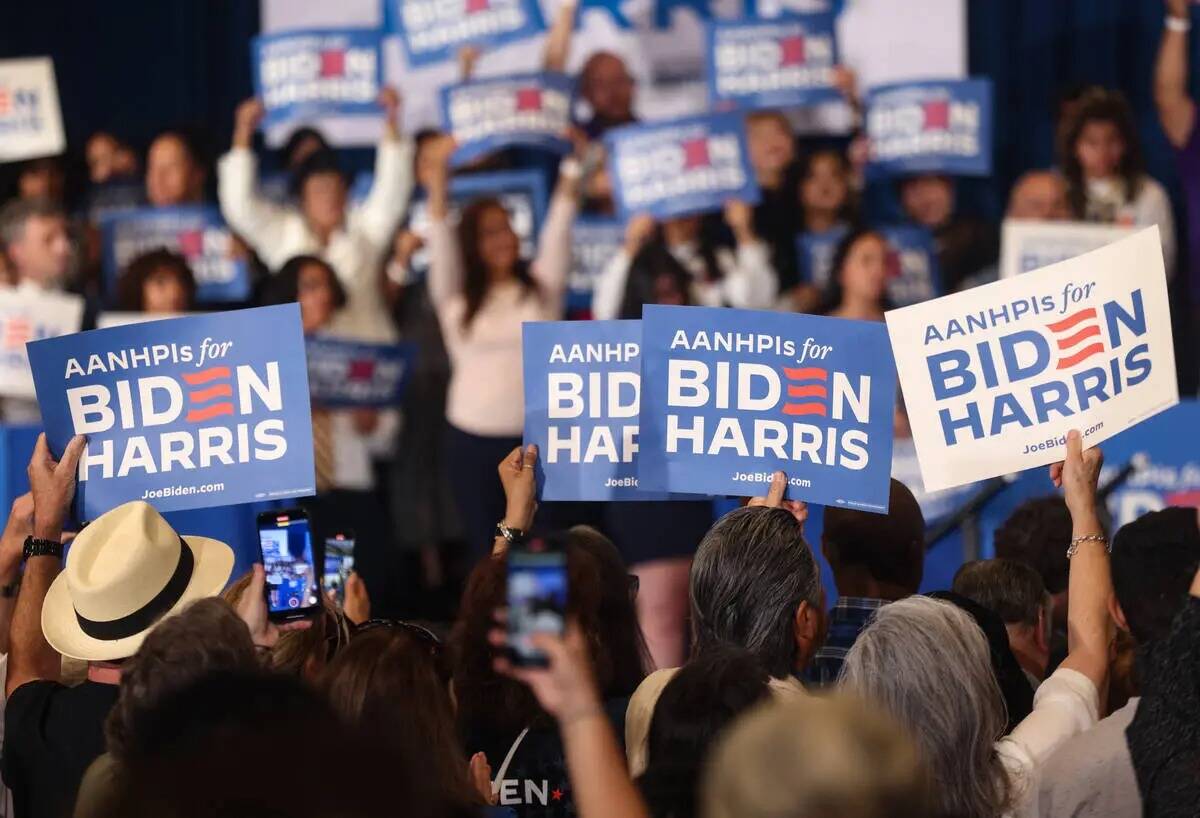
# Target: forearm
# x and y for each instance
(600, 782)
(558, 40)
(1089, 589)
(10, 566)
(445, 262)
(554, 245)
(1170, 69)
(391, 188)
(30, 655)
(609, 289)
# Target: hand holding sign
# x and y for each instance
(520, 486)
(774, 499)
(246, 120)
(52, 484)
(1078, 475)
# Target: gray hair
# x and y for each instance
(1010, 589)
(927, 663)
(750, 574)
(16, 213)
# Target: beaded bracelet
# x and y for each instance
(1075, 541)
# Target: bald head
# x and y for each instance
(1040, 195)
(607, 87)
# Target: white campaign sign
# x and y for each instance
(1027, 244)
(994, 377)
(29, 315)
(30, 119)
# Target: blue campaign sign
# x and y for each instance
(681, 167)
(594, 242)
(207, 410)
(772, 63)
(930, 127)
(196, 232)
(814, 254)
(915, 276)
(532, 110)
(732, 396)
(343, 373)
(301, 75)
(434, 30)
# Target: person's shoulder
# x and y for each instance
(1092, 769)
(33, 695)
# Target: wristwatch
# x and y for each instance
(514, 536)
(42, 548)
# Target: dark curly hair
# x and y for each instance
(1099, 105)
(131, 286)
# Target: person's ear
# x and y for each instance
(807, 631)
(1118, 615)
(1041, 636)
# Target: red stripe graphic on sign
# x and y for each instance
(805, 374)
(217, 390)
(817, 391)
(1069, 345)
(206, 375)
(197, 415)
(804, 409)
(1081, 355)
(204, 395)
(1072, 320)
(806, 390)
(1087, 332)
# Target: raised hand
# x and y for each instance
(246, 120)
(638, 231)
(1078, 475)
(52, 485)
(520, 486)
(774, 499)
(389, 100)
(740, 218)
(565, 688)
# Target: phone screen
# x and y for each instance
(339, 562)
(537, 601)
(286, 543)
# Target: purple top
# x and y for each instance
(1188, 158)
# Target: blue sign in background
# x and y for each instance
(469, 113)
(930, 127)
(917, 276)
(433, 30)
(681, 167)
(196, 232)
(302, 75)
(779, 63)
(344, 373)
(814, 254)
(812, 395)
(207, 410)
(594, 242)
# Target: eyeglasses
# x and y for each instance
(419, 632)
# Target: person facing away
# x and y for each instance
(876, 559)
(1153, 560)
(1014, 592)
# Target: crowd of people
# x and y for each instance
(702, 672)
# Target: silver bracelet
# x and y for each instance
(1181, 25)
(1076, 541)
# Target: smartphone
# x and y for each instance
(339, 562)
(537, 600)
(285, 540)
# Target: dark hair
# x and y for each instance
(284, 286)
(891, 547)
(703, 698)
(475, 275)
(1037, 533)
(206, 637)
(750, 573)
(652, 262)
(1012, 590)
(834, 292)
(1153, 561)
(847, 213)
(193, 145)
(132, 283)
(1099, 105)
(321, 162)
(388, 681)
(599, 598)
(298, 137)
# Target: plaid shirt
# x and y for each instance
(846, 621)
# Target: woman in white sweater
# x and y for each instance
(483, 291)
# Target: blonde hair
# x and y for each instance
(814, 757)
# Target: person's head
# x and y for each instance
(702, 699)
(1099, 141)
(655, 277)
(301, 144)
(1153, 561)
(1015, 592)
(825, 185)
(321, 187)
(600, 597)
(927, 664)
(42, 178)
(755, 584)
(1040, 195)
(158, 281)
(206, 637)
(928, 199)
(491, 252)
(881, 556)
(388, 681)
(771, 143)
(311, 282)
(860, 269)
(815, 757)
(425, 163)
(34, 237)
(108, 158)
(606, 85)
(175, 171)
(1037, 533)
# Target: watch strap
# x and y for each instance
(514, 536)
(42, 548)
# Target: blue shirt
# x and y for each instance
(846, 621)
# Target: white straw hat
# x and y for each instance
(126, 571)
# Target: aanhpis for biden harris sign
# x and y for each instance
(205, 410)
(996, 376)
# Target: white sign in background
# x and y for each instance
(880, 40)
(1083, 344)
(30, 315)
(1027, 244)
(30, 117)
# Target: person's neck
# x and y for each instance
(860, 309)
(1027, 657)
(855, 582)
(105, 673)
(770, 178)
(499, 276)
(820, 221)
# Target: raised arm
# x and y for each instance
(12, 545)
(558, 40)
(392, 186)
(1176, 110)
(260, 222)
(445, 259)
(52, 485)
(553, 262)
(520, 493)
(608, 292)
(751, 283)
(1090, 582)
